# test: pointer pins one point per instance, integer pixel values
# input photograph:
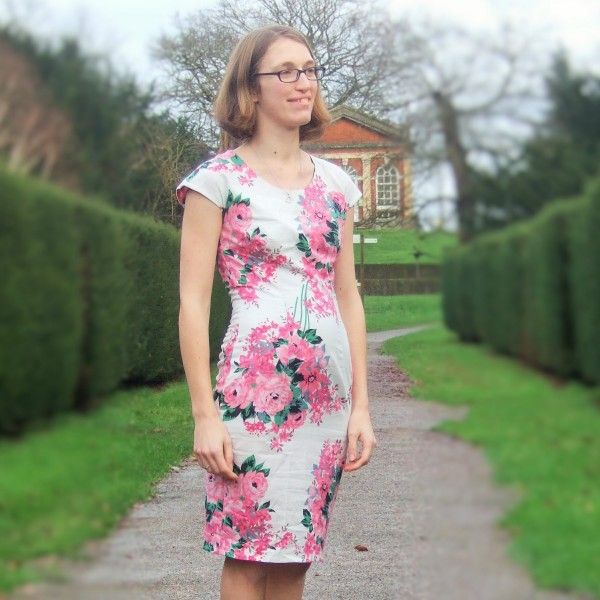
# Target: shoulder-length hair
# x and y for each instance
(234, 110)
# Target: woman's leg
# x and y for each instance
(285, 581)
(243, 579)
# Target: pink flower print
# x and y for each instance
(235, 394)
(240, 216)
(258, 427)
(220, 537)
(236, 525)
(296, 419)
(282, 369)
(259, 359)
(271, 394)
(313, 377)
(248, 177)
(321, 496)
(285, 541)
(295, 348)
(254, 485)
(339, 198)
(314, 192)
(216, 487)
(312, 549)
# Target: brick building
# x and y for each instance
(375, 154)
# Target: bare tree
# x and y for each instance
(351, 38)
(468, 98)
(33, 133)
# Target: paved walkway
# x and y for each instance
(424, 508)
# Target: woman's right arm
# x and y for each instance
(200, 232)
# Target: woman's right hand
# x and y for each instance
(213, 448)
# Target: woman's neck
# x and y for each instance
(281, 149)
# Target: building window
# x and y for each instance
(388, 188)
(352, 172)
(353, 175)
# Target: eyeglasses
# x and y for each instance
(291, 75)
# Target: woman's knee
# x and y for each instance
(289, 569)
(249, 569)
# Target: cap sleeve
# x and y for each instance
(206, 181)
(352, 191)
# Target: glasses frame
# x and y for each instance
(320, 69)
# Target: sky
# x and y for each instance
(125, 29)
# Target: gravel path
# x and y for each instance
(424, 508)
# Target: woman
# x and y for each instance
(290, 402)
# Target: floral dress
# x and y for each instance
(284, 381)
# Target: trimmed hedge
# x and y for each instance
(89, 301)
(532, 290)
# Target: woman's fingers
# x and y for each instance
(226, 460)
(356, 460)
(217, 456)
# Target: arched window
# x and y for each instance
(388, 187)
(352, 172)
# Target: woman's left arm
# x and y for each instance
(353, 316)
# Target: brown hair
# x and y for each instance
(234, 108)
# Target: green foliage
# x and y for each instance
(531, 289)
(89, 298)
(121, 149)
(556, 162)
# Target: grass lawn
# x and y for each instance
(400, 245)
(76, 479)
(539, 435)
(391, 312)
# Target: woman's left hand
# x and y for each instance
(359, 427)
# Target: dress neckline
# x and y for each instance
(280, 189)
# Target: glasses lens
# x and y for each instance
(315, 73)
(289, 75)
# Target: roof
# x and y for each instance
(376, 124)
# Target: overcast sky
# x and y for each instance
(124, 29)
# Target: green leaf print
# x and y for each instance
(281, 416)
(248, 412)
(307, 520)
(231, 413)
(294, 364)
(209, 547)
(333, 238)
(264, 417)
(227, 521)
(264, 505)
(248, 464)
(303, 244)
(310, 335)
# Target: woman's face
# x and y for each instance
(277, 101)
